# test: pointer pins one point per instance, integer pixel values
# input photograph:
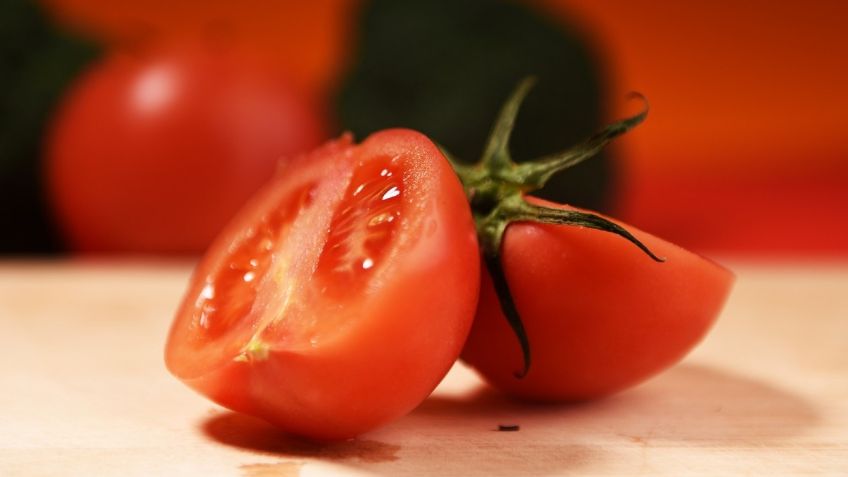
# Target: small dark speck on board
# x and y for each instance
(508, 427)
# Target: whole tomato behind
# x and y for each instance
(570, 308)
(308, 40)
(155, 151)
(599, 315)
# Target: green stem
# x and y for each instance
(535, 213)
(496, 187)
(496, 271)
(536, 174)
(496, 155)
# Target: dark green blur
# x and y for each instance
(444, 67)
(37, 63)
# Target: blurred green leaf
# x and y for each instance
(444, 67)
(36, 64)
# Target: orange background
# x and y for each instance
(745, 149)
(742, 86)
(734, 86)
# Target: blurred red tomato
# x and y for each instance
(155, 152)
(310, 41)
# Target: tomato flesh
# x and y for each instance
(229, 293)
(308, 309)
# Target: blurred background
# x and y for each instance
(139, 127)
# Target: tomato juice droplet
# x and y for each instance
(362, 227)
(231, 289)
(391, 193)
(258, 289)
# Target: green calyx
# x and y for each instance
(496, 187)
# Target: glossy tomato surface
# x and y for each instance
(340, 295)
(155, 151)
(600, 315)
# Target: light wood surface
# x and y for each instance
(83, 392)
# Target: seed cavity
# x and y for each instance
(230, 291)
(360, 230)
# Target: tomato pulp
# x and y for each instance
(341, 294)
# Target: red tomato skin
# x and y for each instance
(154, 152)
(394, 353)
(600, 315)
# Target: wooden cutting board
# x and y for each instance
(84, 392)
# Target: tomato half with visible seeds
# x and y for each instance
(599, 315)
(340, 295)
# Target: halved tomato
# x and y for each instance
(340, 295)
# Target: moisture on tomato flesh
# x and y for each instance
(312, 296)
(360, 231)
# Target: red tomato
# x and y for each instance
(340, 295)
(600, 315)
(155, 152)
(310, 41)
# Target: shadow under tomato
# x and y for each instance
(691, 403)
(701, 405)
(421, 447)
(688, 405)
(248, 433)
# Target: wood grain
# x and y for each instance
(83, 392)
